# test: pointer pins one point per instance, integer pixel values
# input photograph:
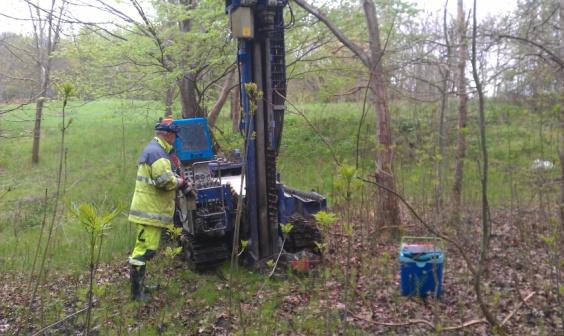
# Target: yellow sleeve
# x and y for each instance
(161, 173)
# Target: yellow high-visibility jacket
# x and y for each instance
(155, 189)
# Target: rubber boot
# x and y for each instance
(137, 277)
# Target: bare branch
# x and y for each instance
(554, 57)
(357, 50)
(17, 78)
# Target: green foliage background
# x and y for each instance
(106, 137)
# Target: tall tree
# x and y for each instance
(462, 112)
(446, 77)
(561, 158)
(223, 95)
(486, 224)
(387, 204)
(172, 49)
(46, 34)
(187, 80)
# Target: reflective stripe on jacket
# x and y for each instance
(155, 188)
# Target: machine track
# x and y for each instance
(204, 253)
(272, 189)
(303, 236)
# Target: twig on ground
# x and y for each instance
(505, 320)
(395, 324)
(59, 322)
(424, 322)
(465, 325)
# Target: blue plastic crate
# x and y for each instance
(421, 267)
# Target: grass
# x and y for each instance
(106, 137)
(103, 144)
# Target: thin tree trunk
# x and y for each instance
(561, 157)
(235, 108)
(387, 207)
(561, 146)
(486, 229)
(45, 45)
(44, 53)
(444, 103)
(37, 128)
(225, 89)
(462, 115)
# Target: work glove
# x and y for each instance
(181, 182)
(188, 190)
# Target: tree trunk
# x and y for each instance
(37, 129)
(169, 100)
(387, 207)
(561, 143)
(187, 84)
(387, 204)
(560, 244)
(441, 169)
(486, 226)
(561, 147)
(188, 97)
(45, 45)
(235, 108)
(462, 115)
(225, 89)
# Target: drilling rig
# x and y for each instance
(208, 211)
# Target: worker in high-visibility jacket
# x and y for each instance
(152, 206)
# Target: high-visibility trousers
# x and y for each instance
(146, 244)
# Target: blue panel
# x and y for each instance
(289, 204)
(193, 141)
(228, 198)
(209, 195)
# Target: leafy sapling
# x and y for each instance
(325, 220)
(286, 229)
(96, 225)
(244, 245)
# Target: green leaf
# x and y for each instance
(325, 218)
(286, 228)
(171, 252)
(270, 263)
(88, 216)
(174, 232)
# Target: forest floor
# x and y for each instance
(519, 286)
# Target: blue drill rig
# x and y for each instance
(208, 211)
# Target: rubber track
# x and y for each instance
(272, 189)
(206, 253)
(303, 236)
